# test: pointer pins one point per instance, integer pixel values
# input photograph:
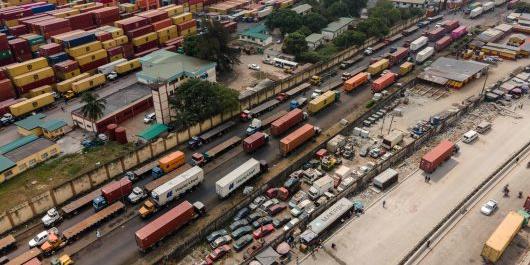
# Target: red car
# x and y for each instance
(263, 231)
(275, 209)
(217, 254)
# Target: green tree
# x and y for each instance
(213, 46)
(373, 27)
(338, 9)
(285, 19)
(304, 30)
(314, 21)
(93, 107)
(349, 38)
(309, 57)
(350, 8)
(196, 100)
(295, 44)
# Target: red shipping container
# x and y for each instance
(140, 54)
(81, 21)
(139, 31)
(3, 74)
(154, 15)
(162, 24)
(254, 142)
(49, 49)
(4, 105)
(128, 51)
(287, 121)
(93, 65)
(443, 151)
(15, 14)
(46, 81)
(115, 51)
(131, 23)
(105, 12)
(171, 48)
(116, 190)
(296, 138)
(164, 225)
(18, 30)
(66, 66)
(6, 90)
(146, 46)
(186, 25)
(7, 61)
(176, 41)
(4, 44)
(103, 36)
(442, 43)
(57, 32)
(18, 44)
(383, 82)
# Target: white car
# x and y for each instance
(291, 224)
(254, 66)
(136, 195)
(42, 237)
(52, 217)
(112, 76)
(489, 207)
(148, 118)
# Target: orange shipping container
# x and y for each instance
(356, 81)
(172, 161)
(162, 24)
(296, 138)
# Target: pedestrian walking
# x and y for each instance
(98, 234)
(428, 243)
(428, 179)
(333, 245)
(62, 108)
(384, 204)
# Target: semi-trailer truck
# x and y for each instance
(255, 141)
(356, 81)
(197, 141)
(383, 82)
(443, 43)
(322, 101)
(378, 67)
(399, 55)
(239, 176)
(476, 12)
(168, 163)
(418, 43)
(202, 159)
(258, 124)
(172, 190)
(424, 54)
(149, 187)
(171, 221)
(286, 122)
(293, 92)
(247, 115)
(434, 158)
(320, 186)
(297, 138)
(112, 192)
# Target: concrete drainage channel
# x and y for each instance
(459, 211)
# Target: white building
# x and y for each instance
(257, 35)
(410, 3)
(303, 9)
(335, 28)
(314, 41)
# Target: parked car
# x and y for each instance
(266, 205)
(364, 151)
(253, 66)
(241, 214)
(376, 152)
(263, 231)
(257, 202)
(216, 234)
(42, 237)
(279, 222)
(148, 118)
(237, 224)
(242, 231)
(489, 207)
(262, 221)
(291, 224)
(242, 242)
(223, 240)
(254, 216)
(275, 209)
(51, 218)
(217, 253)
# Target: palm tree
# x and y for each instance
(94, 106)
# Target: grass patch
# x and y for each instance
(56, 171)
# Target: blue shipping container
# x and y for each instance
(79, 39)
(57, 58)
(43, 8)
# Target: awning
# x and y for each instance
(152, 132)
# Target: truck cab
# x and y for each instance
(131, 176)
(52, 217)
(254, 126)
(282, 97)
(194, 143)
(99, 203)
(296, 103)
(198, 159)
(7, 119)
(136, 195)
(245, 115)
(147, 209)
(345, 76)
(69, 94)
(315, 80)
(157, 172)
(53, 243)
(368, 51)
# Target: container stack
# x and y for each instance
(146, 4)
(106, 15)
(86, 50)
(20, 49)
(66, 69)
(112, 39)
(82, 21)
(31, 74)
(173, 10)
(140, 31)
(6, 88)
(34, 41)
(64, 12)
(52, 26)
(6, 57)
(18, 30)
(127, 8)
(187, 28)
(195, 6)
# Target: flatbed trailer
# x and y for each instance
(394, 38)
(267, 121)
(145, 168)
(167, 177)
(255, 112)
(25, 257)
(74, 206)
(298, 89)
(358, 70)
(333, 85)
(7, 243)
(207, 136)
(222, 147)
(378, 46)
(73, 232)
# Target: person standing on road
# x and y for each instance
(384, 204)
(98, 234)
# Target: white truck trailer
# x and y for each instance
(424, 54)
(326, 220)
(418, 43)
(237, 177)
(476, 12)
(108, 68)
(177, 186)
(320, 186)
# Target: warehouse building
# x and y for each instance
(335, 28)
(303, 9)
(24, 153)
(36, 125)
(410, 3)
(453, 73)
(314, 41)
(256, 35)
(121, 106)
(172, 69)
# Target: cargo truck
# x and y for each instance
(258, 124)
(197, 141)
(293, 92)
(168, 223)
(239, 176)
(436, 33)
(72, 208)
(28, 106)
(168, 163)
(320, 186)
(418, 43)
(410, 30)
(297, 103)
(488, 6)
(502, 237)
(297, 138)
(172, 190)
(386, 179)
(134, 175)
(350, 62)
(459, 32)
(326, 220)
(383, 82)
(112, 192)
(476, 12)
(149, 187)
(499, 2)
(392, 139)
(443, 43)
(450, 24)
(356, 81)
(202, 159)
(85, 84)
(126, 67)
(393, 39)
(25, 257)
(288, 121)
(110, 67)
(398, 56)
(7, 242)
(378, 67)
(73, 232)
(405, 68)
(248, 115)
(434, 158)
(255, 141)
(323, 101)
(424, 54)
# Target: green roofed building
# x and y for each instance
(152, 132)
(257, 35)
(36, 125)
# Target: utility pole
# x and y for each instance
(391, 121)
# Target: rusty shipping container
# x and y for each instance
(434, 158)
(296, 138)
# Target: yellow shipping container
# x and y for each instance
(40, 90)
(67, 84)
(93, 56)
(11, 23)
(109, 44)
(169, 31)
(88, 83)
(122, 40)
(68, 75)
(378, 67)
(116, 57)
(321, 101)
(144, 39)
(26, 67)
(31, 104)
(84, 49)
(66, 13)
(181, 18)
(115, 32)
(502, 236)
(127, 7)
(127, 66)
(405, 68)
(34, 76)
(173, 10)
(59, 38)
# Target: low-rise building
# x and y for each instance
(302, 9)
(256, 35)
(410, 3)
(36, 125)
(453, 73)
(314, 41)
(24, 153)
(335, 28)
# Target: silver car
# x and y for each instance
(489, 207)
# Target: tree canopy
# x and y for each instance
(197, 100)
(94, 106)
(343, 8)
(295, 44)
(522, 7)
(349, 38)
(212, 45)
(315, 22)
(285, 19)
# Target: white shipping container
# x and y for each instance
(177, 185)
(424, 54)
(107, 68)
(475, 12)
(488, 6)
(326, 219)
(391, 139)
(237, 177)
(343, 172)
(418, 43)
(499, 2)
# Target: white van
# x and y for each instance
(469, 137)
(483, 127)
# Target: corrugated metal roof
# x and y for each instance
(153, 131)
(31, 122)
(17, 143)
(258, 32)
(53, 125)
(5, 163)
(457, 70)
(28, 149)
(302, 8)
(336, 25)
(315, 37)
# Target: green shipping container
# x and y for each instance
(5, 54)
